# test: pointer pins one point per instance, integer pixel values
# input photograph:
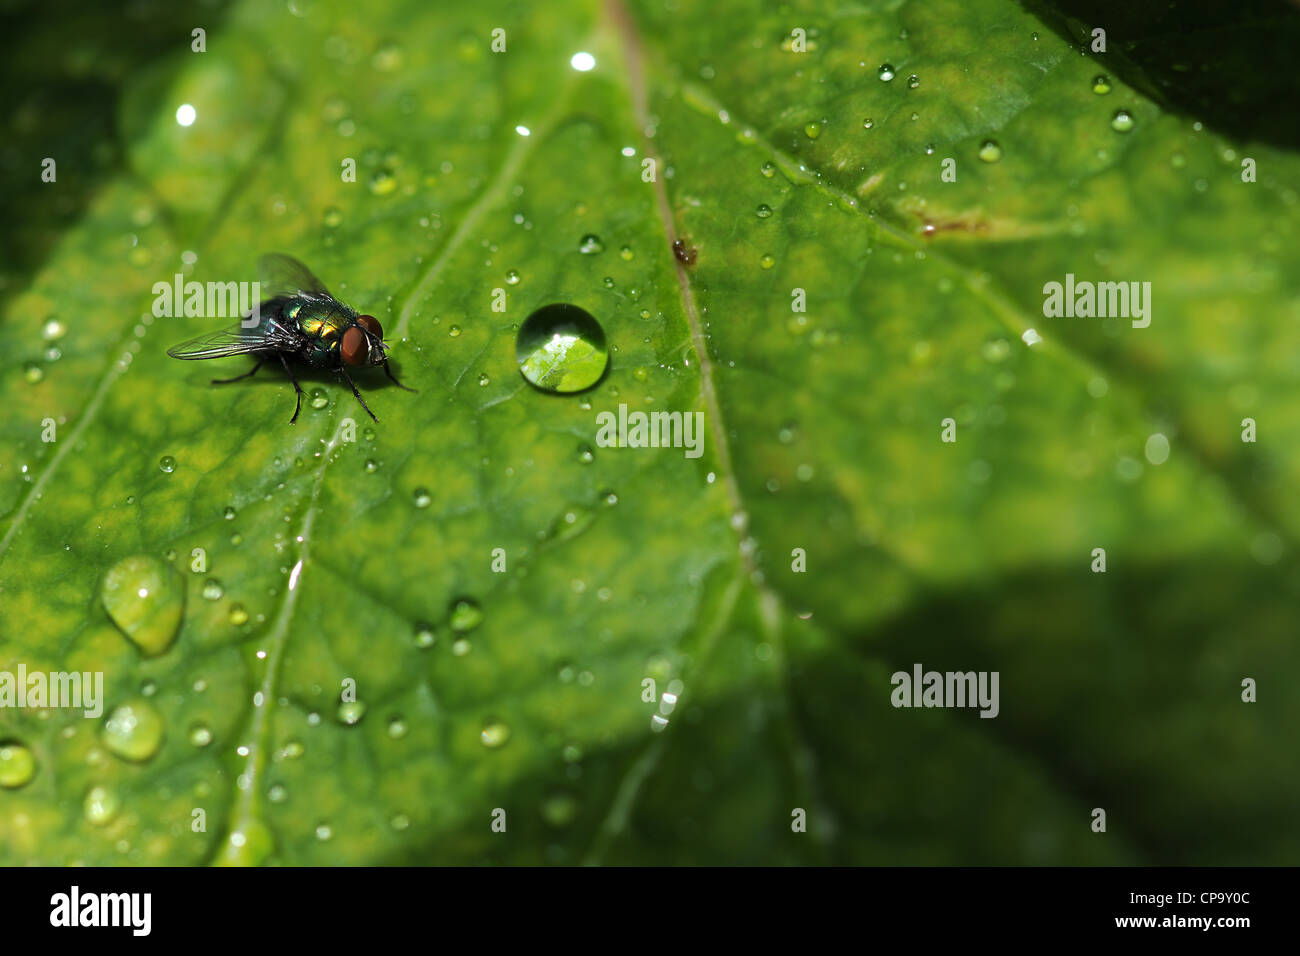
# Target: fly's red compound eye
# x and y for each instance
(354, 347)
(371, 325)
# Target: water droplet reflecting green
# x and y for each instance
(1122, 121)
(990, 151)
(494, 734)
(212, 589)
(767, 261)
(332, 217)
(586, 455)
(382, 182)
(200, 736)
(868, 123)
(33, 372)
(763, 211)
(133, 731)
(249, 845)
(167, 464)
(421, 497)
(145, 598)
(1101, 84)
(886, 72)
(812, 130)
(17, 765)
(561, 348)
(238, 616)
(913, 81)
(626, 253)
(465, 616)
(512, 277)
(397, 728)
(53, 329)
(590, 244)
(424, 635)
(318, 398)
(454, 331)
(351, 711)
(101, 805)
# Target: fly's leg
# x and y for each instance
(248, 374)
(296, 387)
(389, 373)
(356, 393)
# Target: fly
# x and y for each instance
(299, 323)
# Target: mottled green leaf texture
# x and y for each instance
(489, 628)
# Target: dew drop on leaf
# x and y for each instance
(133, 731)
(561, 348)
(145, 598)
(17, 765)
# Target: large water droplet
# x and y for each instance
(561, 348)
(145, 599)
(17, 765)
(133, 731)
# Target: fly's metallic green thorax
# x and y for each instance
(298, 322)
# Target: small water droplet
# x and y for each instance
(212, 589)
(53, 329)
(1157, 449)
(812, 130)
(465, 616)
(145, 599)
(1101, 84)
(200, 735)
(868, 123)
(586, 455)
(763, 211)
(494, 734)
(133, 731)
(318, 398)
(913, 82)
(767, 261)
(561, 348)
(590, 244)
(768, 170)
(351, 711)
(512, 277)
(626, 253)
(238, 616)
(33, 372)
(424, 635)
(167, 464)
(382, 182)
(454, 331)
(397, 728)
(1122, 121)
(886, 72)
(332, 217)
(101, 805)
(990, 151)
(421, 497)
(17, 765)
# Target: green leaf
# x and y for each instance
(497, 586)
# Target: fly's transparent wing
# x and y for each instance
(235, 340)
(285, 275)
